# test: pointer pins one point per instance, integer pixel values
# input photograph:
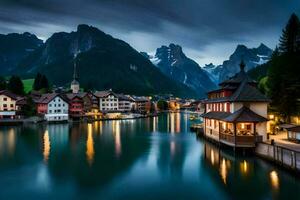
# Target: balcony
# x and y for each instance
(240, 140)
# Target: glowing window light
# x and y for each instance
(243, 126)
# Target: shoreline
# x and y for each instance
(282, 157)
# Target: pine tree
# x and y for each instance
(3, 83)
(37, 82)
(44, 83)
(15, 85)
(41, 83)
(290, 38)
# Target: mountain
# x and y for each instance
(14, 47)
(251, 56)
(213, 71)
(103, 62)
(175, 64)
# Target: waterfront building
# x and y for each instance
(126, 103)
(108, 101)
(8, 104)
(142, 104)
(76, 105)
(53, 106)
(236, 113)
(83, 104)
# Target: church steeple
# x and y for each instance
(75, 75)
(75, 87)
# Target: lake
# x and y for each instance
(151, 158)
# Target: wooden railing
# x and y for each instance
(239, 139)
(286, 157)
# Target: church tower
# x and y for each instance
(75, 87)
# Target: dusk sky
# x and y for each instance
(208, 30)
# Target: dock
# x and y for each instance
(282, 156)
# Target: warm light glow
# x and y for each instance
(177, 118)
(90, 152)
(244, 167)
(224, 125)
(173, 148)
(243, 126)
(47, 146)
(172, 122)
(154, 124)
(11, 141)
(117, 134)
(223, 171)
(212, 157)
(271, 116)
(274, 180)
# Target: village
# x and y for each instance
(75, 105)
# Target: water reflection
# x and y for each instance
(90, 145)
(46, 151)
(7, 142)
(99, 159)
(274, 180)
(117, 136)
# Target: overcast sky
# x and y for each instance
(208, 30)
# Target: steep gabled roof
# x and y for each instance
(124, 97)
(9, 94)
(247, 93)
(244, 114)
(46, 98)
(216, 115)
(102, 94)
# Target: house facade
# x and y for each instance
(125, 103)
(108, 101)
(8, 104)
(53, 107)
(76, 105)
(142, 104)
(236, 114)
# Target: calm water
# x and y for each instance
(136, 159)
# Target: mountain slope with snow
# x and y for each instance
(175, 64)
(251, 56)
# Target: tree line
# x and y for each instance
(16, 85)
(283, 76)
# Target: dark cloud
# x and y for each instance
(201, 26)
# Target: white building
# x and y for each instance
(126, 103)
(54, 107)
(236, 114)
(108, 101)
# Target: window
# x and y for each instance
(4, 105)
(4, 99)
(11, 105)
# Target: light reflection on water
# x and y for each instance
(151, 157)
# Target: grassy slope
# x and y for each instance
(28, 83)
